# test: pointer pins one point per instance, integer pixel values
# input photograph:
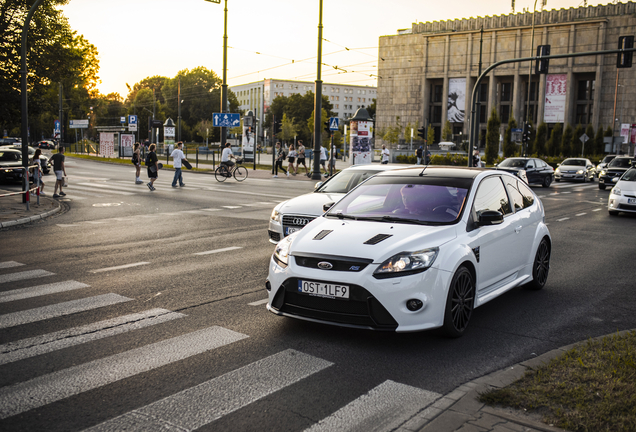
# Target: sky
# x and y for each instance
(266, 39)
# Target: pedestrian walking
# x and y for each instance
(279, 160)
(301, 157)
(152, 162)
(418, 154)
(427, 157)
(293, 154)
(323, 158)
(178, 156)
(136, 160)
(37, 173)
(60, 171)
(385, 155)
(476, 159)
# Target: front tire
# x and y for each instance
(613, 213)
(601, 186)
(540, 266)
(240, 173)
(460, 303)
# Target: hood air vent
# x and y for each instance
(322, 234)
(377, 239)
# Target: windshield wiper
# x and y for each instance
(341, 216)
(387, 218)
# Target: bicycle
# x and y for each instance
(239, 173)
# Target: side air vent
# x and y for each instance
(476, 252)
(322, 234)
(377, 239)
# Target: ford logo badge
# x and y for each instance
(324, 265)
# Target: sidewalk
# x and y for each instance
(14, 212)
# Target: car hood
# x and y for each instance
(627, 186)
(309, 204)
(571, 167)
(348, 237)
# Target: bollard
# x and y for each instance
(213, 161)
(197, 166)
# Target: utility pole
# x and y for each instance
(61, 88)
(179, 109)
(318, 106)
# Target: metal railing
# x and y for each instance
(25, 179)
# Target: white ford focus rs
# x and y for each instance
(413, 249)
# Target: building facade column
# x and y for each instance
(517, 88)
(570, 95)
(492, 80)
(445, 87)
(598, 79)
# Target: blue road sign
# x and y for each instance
(132, 120)
(226, 119)
(333, 123)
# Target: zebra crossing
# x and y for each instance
(382, 408)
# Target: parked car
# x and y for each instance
(615, 169)
(409, 250)
(9, 159)
(46, 165)
(292, 215)
(603, 163)
(579, 169)
(535, 169)
(9, 141)
(623, 196)
(46, 145)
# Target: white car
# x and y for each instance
(623, 196)
(292, 215)
(579, 169)
(413, 249)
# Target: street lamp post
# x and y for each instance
(318, 105)
(224, 85)
(534, 11)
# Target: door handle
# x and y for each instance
(518, 229)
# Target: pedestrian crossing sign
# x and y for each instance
(333, 123)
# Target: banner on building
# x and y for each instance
(107, 144)
(456, 100)
(555, 92)
(361, 134)
(127, 141)
(625, 132)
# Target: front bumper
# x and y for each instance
(285, 225)
(609, 180)
(377, 304)
(621, 203)
(569, 176)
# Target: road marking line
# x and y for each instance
(258, 303)
(40, 290)
(67, 225)
(198, 406)
(60, 309)
(10, 264)
(194, 211)
(31, 274)
(231, 207)
(109, 187)
(563, 219)
(63, 384)
(383, 408)
(232, 191)
(599, 209)
(26, 348)
(97, 222)
(88, 189)
(210, 209)
(218, 250)
(119, 267)
(581, 214)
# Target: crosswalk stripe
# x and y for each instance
(116, 187)
(25, 348)
(40, 290)
(92, 189)
(218, 250)
(383, 408)
(125, 266)
(10, 264)
(200, 405)
(30, 274)
(56, 386)
(259, 302)
(60, 309)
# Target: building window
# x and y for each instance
(534, 97)
(437, 93)
(584, 101)
(437, 114)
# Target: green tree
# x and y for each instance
(577, 144)
(554, 143)
(289, 129)
(447, 131)
(509, 146)
(492, 137)
(371, 109)
(566, 140)
(599, 145)
(540, 140)
(393, 133)
(590, 145)
(430, 135)
(300, 108)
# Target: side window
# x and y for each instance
(492, 196)
(515, 195)
(530, 164)
(528, 197)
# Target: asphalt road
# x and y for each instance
(151, 306)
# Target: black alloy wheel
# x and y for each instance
(540, 266)
(460, 303)
(601, 186)
(546, 181)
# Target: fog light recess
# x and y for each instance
(414, 305)
(268, 286)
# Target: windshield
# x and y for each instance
(513, 163)
(345, 180)
(608, 159)
(574, 162)
(10, 156)
(419, 200)
(630, 175)
(620, 163)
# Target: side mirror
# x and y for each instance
(327, 206)
(317, 185)
(490, 217)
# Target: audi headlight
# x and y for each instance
(616, 190)
(281, 252)
(406, 263)
(275, 216)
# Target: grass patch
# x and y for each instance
(589, 388)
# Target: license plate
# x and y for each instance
(290, 230)
(631, 200)
(320, 289)
(567, 175)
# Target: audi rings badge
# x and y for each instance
(324, 265)
(300, 221)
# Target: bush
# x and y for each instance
(436, 159)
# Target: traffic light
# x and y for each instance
(327, 128)
(277, 126)
(541, 67)
(624, 60)
(421, 132)
(527, 130)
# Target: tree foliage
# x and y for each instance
(590, 145)
(447, 131)
(509, 146)
(599, 145)
(577, 144)
(540, 140)
(566, 140)
(492, 137)
(300, 108)
(554, 143)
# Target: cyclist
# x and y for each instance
(226, 156)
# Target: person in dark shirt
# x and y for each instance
(60, 171)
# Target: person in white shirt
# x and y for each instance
(385, 155)
(323, 158)
(226, 157)
(178, 156)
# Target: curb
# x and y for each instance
(31, 218)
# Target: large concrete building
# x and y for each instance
(428, 72)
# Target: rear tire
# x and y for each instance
(546, 182)
(221, 173)
(540, 266)
(459, 303)
(613, 213)
(601, 186)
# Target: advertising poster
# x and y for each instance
(555, 92)
(456, 100)
(361, 134)
(248, 143)
(107, 144)
(625, 132)
(127, 142)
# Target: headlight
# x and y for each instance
(616, 190)
(602, 172)
(281, 252)
(557, 170)
(406, 263)
(275, 216)
(580, 171)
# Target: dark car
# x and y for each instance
(615, 169)
(9, 141)
(603, 163)
(536, 170)
(9, 160)
(46, 165)
(46, 145)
